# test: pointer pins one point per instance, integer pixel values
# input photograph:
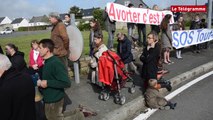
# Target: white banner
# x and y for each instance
(186, 38)
(121, 13)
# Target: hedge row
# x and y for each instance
(33, 28)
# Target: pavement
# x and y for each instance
(195, 103)
(191, 65)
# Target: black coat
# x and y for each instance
(155, 28)
(150, 61)
(1, 51)
(18, 61)
(17, 95)
(124, 50)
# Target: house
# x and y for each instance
(88, 13)
(122, 25)
(39, 21)
(5, 20)
(19, 22)
(5, 23)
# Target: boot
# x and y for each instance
(171, 105)
(167, 86)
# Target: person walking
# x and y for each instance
(17, 93)
(54, 80)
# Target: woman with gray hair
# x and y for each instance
(17, 93)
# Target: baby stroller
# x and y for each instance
(113, 76)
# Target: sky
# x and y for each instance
(30, 8)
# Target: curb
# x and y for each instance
(137, 104)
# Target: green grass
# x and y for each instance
(23, 42)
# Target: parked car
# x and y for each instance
(6, 31)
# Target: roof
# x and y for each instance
(17, 20)
(88, 12)
(1, 19)
(43, 18)
(134, 2)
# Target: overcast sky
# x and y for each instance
(29, 8)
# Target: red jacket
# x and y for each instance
(106, 67)
(32, 62)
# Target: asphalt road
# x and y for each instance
(17, 34)
(195, 103)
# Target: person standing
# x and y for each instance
(130, 26)
(54, 80)
(155, 28)
(110, 28)
(166, 38)
(67, 20)
(196, 24)
(95, 29)
(179, 25)
(124, 51)
(59, 37)
(141, 28)
(17, 93)
(16, 57)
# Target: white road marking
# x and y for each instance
(146, 115)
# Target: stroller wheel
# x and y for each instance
(101, 96)
(122, 100)
(117, 100)
(132, 90)
(105, 96)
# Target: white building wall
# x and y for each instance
(6, 21)
(24, 23)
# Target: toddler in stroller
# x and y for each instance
(112, 75)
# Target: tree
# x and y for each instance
(77, 11)
(98, 14)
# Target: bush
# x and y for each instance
(187, 23)
(33, 28)
(83, 26)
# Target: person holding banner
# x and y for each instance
(166, 38)
(141, 28)
(196, 24)
(110, 28)
(179, 25)
(155, 28)
(130, 26)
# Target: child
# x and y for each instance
(35, 60)
(154, 99)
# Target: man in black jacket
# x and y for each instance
(17, 93)
(1, 51)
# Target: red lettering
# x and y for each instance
(135, 17)
(144, 17)
(130, 15)
(150, 18)
(123, 15)
(118, 13)
(112, 11)
(158, 17)
(139, 17)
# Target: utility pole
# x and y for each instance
(209, 17)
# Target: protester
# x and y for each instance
(95, 29)
(59, 37)
(124, 51)
(203, 25)
(54, 80)
(100, 47)
(35, 60)
(154, 99)
(130, 26)
(16, 57)
(195, 24)
(179, 25)
(67, 20)
(110, 28)
(1, 51)
(155, 28)
(17, 93)
(141, 28)
(166, 38)
(150, 58)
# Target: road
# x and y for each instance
(195, 103)
(17, 34)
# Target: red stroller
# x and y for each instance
(113, 76)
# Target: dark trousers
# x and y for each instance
(40, 114)
(142, 28)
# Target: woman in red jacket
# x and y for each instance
(35, 61)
